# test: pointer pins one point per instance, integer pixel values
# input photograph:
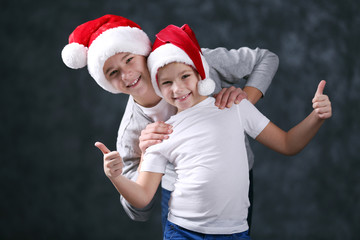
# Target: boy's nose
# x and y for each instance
(177, 87)
(125, 75)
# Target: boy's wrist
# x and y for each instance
(253, 94)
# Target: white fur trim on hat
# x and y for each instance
(169, 53)
(111, 42)
(162, 56)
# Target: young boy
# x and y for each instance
(207, 146)
(115, 50)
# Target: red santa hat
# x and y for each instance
(174, 44)
(93, 42)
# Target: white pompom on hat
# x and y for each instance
(93, 42)
(174, 44)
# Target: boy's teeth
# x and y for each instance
(134, 82)
(183, 97)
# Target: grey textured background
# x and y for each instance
(51, 177)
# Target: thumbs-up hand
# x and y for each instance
(112, 161)
(321, 102)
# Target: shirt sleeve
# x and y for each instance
(127, 145)
(154, 160)
(229, 67)
(127, 141)
(253, 120)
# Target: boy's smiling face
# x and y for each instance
(128, 73)
(178, 85)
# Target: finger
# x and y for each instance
(223, 98)
(145, 144)
(325, 115)
(116, 172)
(232, 97)
(321, 104)
(321, 101)
(162, 129)
(111, 156)
(323, 110)
(226, 100)
(219, 97)
(117, 167)
(157, 127)
(240, 97)
(320, 88)
(102, 147)
(118, 164)
(114, 164)
(153, 136)
(320, 98)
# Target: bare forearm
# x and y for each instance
(300, 135)
(293, 141)
(131, 191)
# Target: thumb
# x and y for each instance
(102, 147)
(320, 88)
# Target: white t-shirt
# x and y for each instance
(207, 149)
(160, 112)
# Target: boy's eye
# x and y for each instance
(166, 82)
(185, 76)
(129, 59)
(112, 73)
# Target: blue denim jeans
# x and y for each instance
(165, 197)
(175, 232)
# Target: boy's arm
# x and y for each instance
(293, 141)
(140, 193)
(127, 145)
(253, 94)
(229, 67)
